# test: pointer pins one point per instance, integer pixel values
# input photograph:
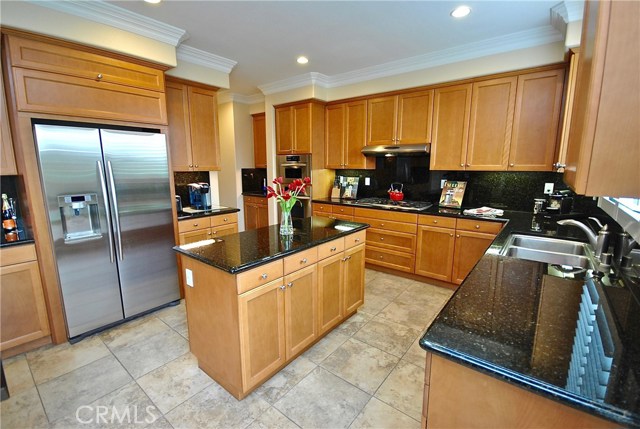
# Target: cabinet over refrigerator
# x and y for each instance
(109, 204)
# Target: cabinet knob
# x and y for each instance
(381, 257)
(558, 165)
(457, 235)
(196, 165)
(303, 261)
(461, 165)
(381, 238)
(190, 165)
(477, 226)
(382, 224)
(290, 284)
(282, 287)
(195, 224)
(468, 165)
(333, 249)
(357, 240)
(435, 221)
(99, 77)
(450, 235)
(209, 233)
(511, 165)
(264, 276)
(225, 219)
(215, 232)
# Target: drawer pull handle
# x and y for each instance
(225, 219)
(303, 261)
(477, 226)
(357, 240)
(209, 233)
(290, 284)
(264, 276)
(381, 257)
(282, 287)
(382, 224)
(435, 221)
(195, 224)
(99, 76)
(511, 165)
(333, 249)
(381, 238)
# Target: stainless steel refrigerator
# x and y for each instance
(109, 201)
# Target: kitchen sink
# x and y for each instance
(549, 250)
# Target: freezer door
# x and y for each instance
(141, 202)
(70, 162)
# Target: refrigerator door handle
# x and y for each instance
(116, 215)
(103, 186)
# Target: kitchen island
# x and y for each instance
(526, 344)
(256, 300)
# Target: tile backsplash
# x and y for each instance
(506, 190)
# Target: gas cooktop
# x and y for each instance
(390, 204)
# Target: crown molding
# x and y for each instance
(298, 81)
(206, 59)
(114, 16)
(496, 45)
(558, 17)
(228, 97)
(575, 10)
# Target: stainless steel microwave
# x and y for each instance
(292, 167)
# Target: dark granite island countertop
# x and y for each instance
(248, 249)
(515, 320)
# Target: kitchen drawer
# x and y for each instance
(331, 248)
(259, 276)
(386, 214)
(224, 219)
(222, 230)
(340, 216)
(479, 226)
(388, 258)
(325, 208)
(255, 200)
(355, 239)
(17, 254)
(300, 260)
(439, 221)
(392, 240)
(342, 210)
(193, 224)
(34, 54)
(389, 225)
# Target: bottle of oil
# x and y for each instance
(9, 226)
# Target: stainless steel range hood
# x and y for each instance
(398, 150)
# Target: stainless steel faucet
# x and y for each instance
(599, 242)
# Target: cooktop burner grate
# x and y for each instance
(387, 203)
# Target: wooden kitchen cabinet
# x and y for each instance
(300, 309)
(256, 212)
(400, 119)
(346, 135)
(192, 110)
(23, 312)
(299, 127)
(492, 107)
(434, 255)
(451, 115)
(104, 85)
(7, 158)
(259, 140)
(353, 278)
(204, 228)
(536, 121)
(603, 146)
(469, 248)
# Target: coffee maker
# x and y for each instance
(199, 195)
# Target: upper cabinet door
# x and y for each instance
(537, 115)
(7, 158)
(381, 120)
(179, 130)
(492, 108)
(302, 133)
(203, 114)
(284, 130)
(356, 136)
(415, 112)
(334, 136)
(452, 107)
(259, 140)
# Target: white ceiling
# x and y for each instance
(266, 37)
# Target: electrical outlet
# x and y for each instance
(442, 182)
(189, 276)
(367, 181)
(548, 188)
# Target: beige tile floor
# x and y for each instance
(367, 373)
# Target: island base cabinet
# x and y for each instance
(353, 279)
(262, 338)
(300, 309)
(456, 396)
(330, 305)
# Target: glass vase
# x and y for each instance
(286, 225)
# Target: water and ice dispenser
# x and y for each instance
(80, 217)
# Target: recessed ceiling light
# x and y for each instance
(461, 11)
(302, 60)
(153, 1)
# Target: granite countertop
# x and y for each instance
(212, 212)
(248, 249)
(516, 320)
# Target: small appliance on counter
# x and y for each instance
(560, 202)
(199, 196)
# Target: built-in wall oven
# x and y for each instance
(291, 167)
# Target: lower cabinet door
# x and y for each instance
(262, 337)
(330, 306)
(262, 216)
(193, 236)
(469, 248)
(353, 279)
(434, 257)
(222, 230)
(300, 309)
(250, 216)
(24, 314)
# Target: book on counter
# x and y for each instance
(452, 194)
